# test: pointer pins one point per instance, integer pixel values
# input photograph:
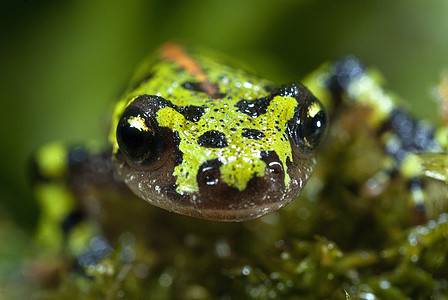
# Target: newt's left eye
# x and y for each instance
(138, 137)
(308, 126)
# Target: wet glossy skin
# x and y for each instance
(372, 140)
(199, 138)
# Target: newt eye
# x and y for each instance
(308, 126)
(137, 136)
(314, 125)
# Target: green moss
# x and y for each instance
(331, 240)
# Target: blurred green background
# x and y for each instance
(63, 63)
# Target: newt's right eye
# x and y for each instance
(138, 136)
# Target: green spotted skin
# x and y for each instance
(172, 149)
(221, 144)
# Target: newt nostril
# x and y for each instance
(275, 171)
(210, 176)
(275, 168)
(209, 173)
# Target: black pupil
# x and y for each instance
(308, 131)
(315, 128)
(135, 135)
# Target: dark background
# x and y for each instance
(63, 63)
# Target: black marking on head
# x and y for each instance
(190, 112)
(199, 87)
(253, 134)
(295, 90)
(193, 86)
(213, 139)
(180, 154)
(259, 106)
(254, 108)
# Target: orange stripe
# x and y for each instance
(176, 54)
